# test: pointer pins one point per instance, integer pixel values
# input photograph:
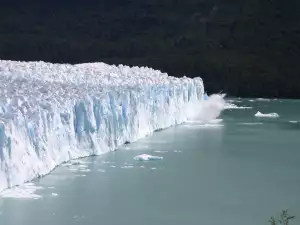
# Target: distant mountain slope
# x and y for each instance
(245, 47)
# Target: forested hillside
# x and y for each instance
(246, 48)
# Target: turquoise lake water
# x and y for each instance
(237, 172)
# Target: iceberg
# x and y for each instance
(269, 115)
(53, 113)
(145, 157)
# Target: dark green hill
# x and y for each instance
(243, 47)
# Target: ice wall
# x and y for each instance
(51, 113)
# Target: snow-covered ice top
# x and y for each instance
(91, 74)
(51, 113)
(27, 85)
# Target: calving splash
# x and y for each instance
(52, 113)
(207, 111)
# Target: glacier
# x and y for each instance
(53, 113)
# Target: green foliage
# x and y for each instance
(284, 219)
(243, 47)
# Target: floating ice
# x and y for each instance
(145, 157)
(67, 164)
(269, 115)
(127, 167)
(263, 99)
(26, 190)
(215, 121)
(177, 151)
(107, 162)
(233, 100)
(53, 113)
(85, 170)
(54, 194)
(294, 121)
(201, 126)
(78, 162)
(73, 169)
(250, 124)
(82, 166)
(233, 106)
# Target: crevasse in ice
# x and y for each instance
(51, 113)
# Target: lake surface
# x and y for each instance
(237, 172)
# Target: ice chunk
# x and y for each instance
(177, 151)
(145, 157)
(263, 99)
(250, 124)
(269, 115)
(107, 162)
(215, 121)
(233, 106)
(127, 167)
(205, 126)
(85, 170)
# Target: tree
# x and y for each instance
(284, 218)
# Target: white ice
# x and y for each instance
(177, 151)
(205, 126)
(23, 191)
(127, 167)
(52, 113)
(146, 157)
(215, 121)
(233, 106)
(208, 110)
(250, 124)
(268, 115)
(263, 99)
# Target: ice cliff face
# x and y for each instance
(51, 113)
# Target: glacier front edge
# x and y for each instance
(52, 113)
